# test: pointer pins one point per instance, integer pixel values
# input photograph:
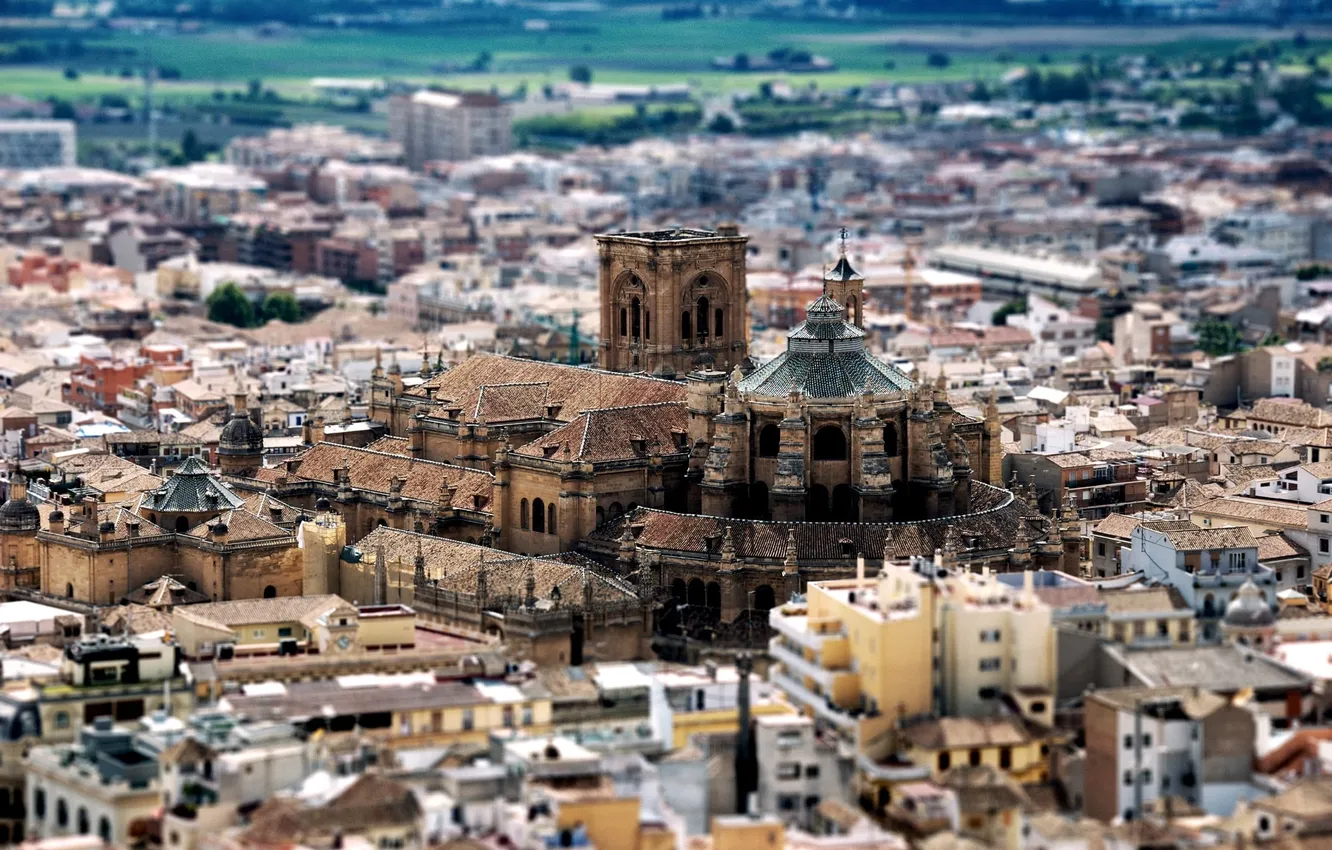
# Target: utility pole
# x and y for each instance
(149, 113)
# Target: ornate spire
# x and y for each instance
(531, 584)
(789, 564)
(728, 547)
(889, 546)
(419, 574)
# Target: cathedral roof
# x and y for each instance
(825, 357)
(374, 472)
(192, 489)
(616, 433)
(240, 436)
(991, 527)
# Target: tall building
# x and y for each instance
(36, 144)
(433, 125)
(673, 301)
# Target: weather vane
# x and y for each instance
(843, 233)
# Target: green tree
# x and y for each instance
(938, 59)
(254, 89)
(62, 109)
(1273, 338)
(71, 74)
(281, 306)
(230, 306)
(1014, 307)
(1217, 338)
(721, 123)
(190, 148)
(580, 74)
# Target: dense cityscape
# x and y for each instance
(800, 426)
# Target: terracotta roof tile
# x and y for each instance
(609, 434)
(573, 388)
(374, 471)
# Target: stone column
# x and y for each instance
(788, 485)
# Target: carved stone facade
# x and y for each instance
(673, 301)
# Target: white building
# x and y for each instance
(36, 144)
(450, 126)
(1058, 333)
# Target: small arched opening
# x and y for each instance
(758, 500)
(538, 516)
(182, 525)
(601, 515)
(714, 595)
(686, 327)
(270, 592)
(829, 443)
(698, 594)
(615, 511)
(702, 324)
(770, 440)
(765, 598)
(890, 446)
(719, 322)
(678, 590)
(69, 591)
(816, 503)
(524, 515)
(550, 518)
(635, 319)
(845, 504)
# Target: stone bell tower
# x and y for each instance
(673, 301)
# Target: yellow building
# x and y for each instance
(876, 657)
(290, 625)
(858, 653)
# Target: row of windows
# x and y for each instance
(636, 322)
(538, 517)
(829, 442)
(62, 816)
(945, 759)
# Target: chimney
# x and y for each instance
(56, 521)
(860, 571)
(217, 532)
(106, 531)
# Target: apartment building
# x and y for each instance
(450, 126)
(1145, 744)
(37, 144)
(859, 654)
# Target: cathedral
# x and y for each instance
(710, 482)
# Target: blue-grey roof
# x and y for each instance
(825, 357)
(192, 489)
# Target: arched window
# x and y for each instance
(702, 323)
(62, 814)
(601, 515)
(718, 323)
(829, 443)
(538, 515)
(890, 440)
(69, 591)
(714, 595)
(758, 500)
(765, 599)
(851, 309)
(84, 825)
(270, 592)
(816, 503)
(845, 507)
(104, 829)
(624, 322)
(550, 518)
(678, 592)
(39, 803)
(647, 324)
(685, 333)
(182, 525)
(636, 318)
(522, 515)
(697, 594)
(770, 441)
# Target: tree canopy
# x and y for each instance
(229, 305)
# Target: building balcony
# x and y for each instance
(802, 695)
(803, 631)
(798, 665)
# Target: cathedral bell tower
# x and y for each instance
(673, 301)
(843, 284)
